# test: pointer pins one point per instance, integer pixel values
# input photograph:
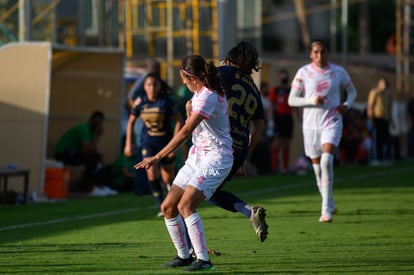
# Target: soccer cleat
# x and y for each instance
(109, 191)
(98, 192)
(325, 218)
(200, 265)
(177, 262)
(258, 221)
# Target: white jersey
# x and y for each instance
(210, 158)
(213, 133)
(310, 82)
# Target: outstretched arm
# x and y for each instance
(178, 139)
(296, 100)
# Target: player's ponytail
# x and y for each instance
(196, 66)
(213, 80)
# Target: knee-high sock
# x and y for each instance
(177, 230)
(195, 229)
(156, 190)
(317, 171)
(327, 179)
(230, 202)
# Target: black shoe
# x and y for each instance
(177, 261)
(200, 265)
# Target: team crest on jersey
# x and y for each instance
(322, 85)
(137, 101)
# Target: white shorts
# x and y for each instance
(205, 173)
(315, 138)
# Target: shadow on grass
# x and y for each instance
(23, 222)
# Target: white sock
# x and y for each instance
(327, 178)
(195, 229)
(317, 171)
(176, 229)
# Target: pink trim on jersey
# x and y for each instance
(204, 144)
(206, 116)
(321, 86)
(221, 98)
(319, 70)
(200, 101)
(202, 90)
(297, 87)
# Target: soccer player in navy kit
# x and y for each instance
(157, 111)
(245, 110)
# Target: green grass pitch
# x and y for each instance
(373, 232)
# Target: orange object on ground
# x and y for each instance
(57, 182)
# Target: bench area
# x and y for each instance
(5, 174)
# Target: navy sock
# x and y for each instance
(230, 202)
(156, 190)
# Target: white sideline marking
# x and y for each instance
(272, 189)
(110, 213)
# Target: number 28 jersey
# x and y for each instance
(244, 102)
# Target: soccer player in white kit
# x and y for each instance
(317, 87)
(209, 161)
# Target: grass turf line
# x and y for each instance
(372, 233)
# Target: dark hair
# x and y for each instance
(165, 88)
(319, 42)
(245, 56)
(196, 66)
(95, 120)
(283, 71)
(97, 114)
(156, 76)
(382, 77)
(284, 76)
(153, 75)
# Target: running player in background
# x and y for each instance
(317, 87)
(157, 111)
(245, 111)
